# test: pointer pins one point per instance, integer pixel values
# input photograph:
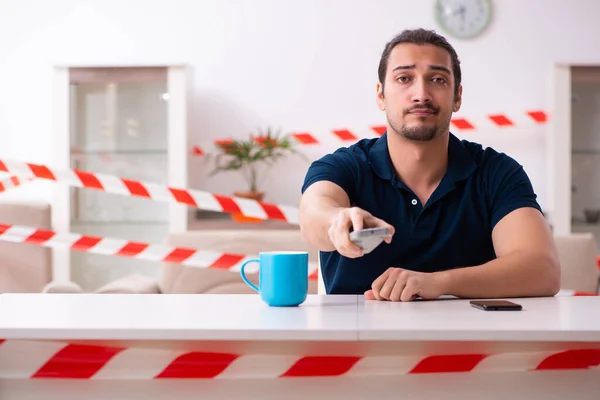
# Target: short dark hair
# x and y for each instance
(421, 37)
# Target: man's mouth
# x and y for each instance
(422, 112)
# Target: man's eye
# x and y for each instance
(439, 80)
(403, 79)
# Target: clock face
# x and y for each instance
(464, 18)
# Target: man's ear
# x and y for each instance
(457, 100)
(380, 102)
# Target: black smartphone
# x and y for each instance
(496, 305)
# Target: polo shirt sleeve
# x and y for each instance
(339, 167)
(509, 188)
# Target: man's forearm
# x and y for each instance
(315, 222)
(521, 274)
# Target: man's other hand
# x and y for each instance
(397, 284)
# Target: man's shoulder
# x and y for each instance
(488, 159)
(345, 166)
(496, 170)
(357, 152)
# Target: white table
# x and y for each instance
(393, 336)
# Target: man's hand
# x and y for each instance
(397, 284)
(357, 218)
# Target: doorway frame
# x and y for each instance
(179, 79)
(559, 144)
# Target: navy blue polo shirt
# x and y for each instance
(452, 230)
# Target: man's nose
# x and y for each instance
(420, 93)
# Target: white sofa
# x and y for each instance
(180, 279)
(577, 252)
(578, 255)
(27, 268)
(24, 268)
(177, 278)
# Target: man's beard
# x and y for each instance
(418, 133)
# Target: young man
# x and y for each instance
(464, 220)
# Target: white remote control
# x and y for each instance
(368, 239)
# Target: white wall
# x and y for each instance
(302, 65)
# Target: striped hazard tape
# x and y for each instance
(195, 198)
(302, 138)
(131, 249)
(527, 119)
(13, 182)
(569, 293)
(150, 252)
(53, 360)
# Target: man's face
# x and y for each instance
(418, 98)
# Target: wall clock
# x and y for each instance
(463, 19)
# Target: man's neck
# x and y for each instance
(420, 165)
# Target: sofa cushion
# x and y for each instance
(62, 287)
(181, 279)
(230, 288)
(203, 280)
(577, 253)
(131, 284)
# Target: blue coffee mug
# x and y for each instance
(282, 277)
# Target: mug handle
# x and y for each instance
(243, 274)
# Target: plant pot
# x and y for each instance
(592, 216)
(258, 196)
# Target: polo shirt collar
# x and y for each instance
(379, 158)
(460, 162)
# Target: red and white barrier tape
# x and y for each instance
(149, 252)
(13, 182)
(127, 248)
(526, 119)
(195, 198)
(570, 293)
(32, 360)
(303, 139)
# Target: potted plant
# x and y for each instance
(246, 156)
